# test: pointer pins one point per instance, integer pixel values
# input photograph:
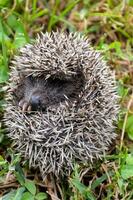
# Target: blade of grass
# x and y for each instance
(4, 61)
(39, 14)
(34, 6)
(54, 18)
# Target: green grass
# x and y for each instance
(109, 26)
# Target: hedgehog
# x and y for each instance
(62, 103)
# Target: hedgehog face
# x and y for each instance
(40, 93)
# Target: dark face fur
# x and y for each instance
(38, 93)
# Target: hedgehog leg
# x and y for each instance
(25, 105)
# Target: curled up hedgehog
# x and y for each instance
(62, 103)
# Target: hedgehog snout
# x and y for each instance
(35, 101)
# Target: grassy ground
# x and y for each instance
(109, 26)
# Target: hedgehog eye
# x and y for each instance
(30, 78)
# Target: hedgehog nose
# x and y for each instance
(35, 101)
